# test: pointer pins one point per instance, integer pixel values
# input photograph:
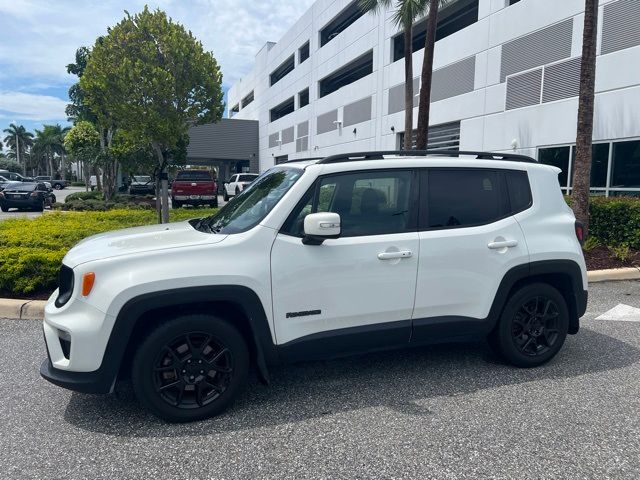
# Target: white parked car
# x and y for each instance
(316, 259)
(237, 183)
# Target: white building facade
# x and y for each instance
(506, 78)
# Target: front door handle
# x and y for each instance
(392, 255)
(502, 244)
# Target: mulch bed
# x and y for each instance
(25, 296)
(601, 258)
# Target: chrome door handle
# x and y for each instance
(502, 244)
(392, 255)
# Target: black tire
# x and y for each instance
(209, 341)
(175, 204)
(225, 195)
(533, 326)
(40, 207)
(237, 191)
(57, 186)
(4, 209)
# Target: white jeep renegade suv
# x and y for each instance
(321, 258)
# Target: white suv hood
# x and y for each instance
(137, 240)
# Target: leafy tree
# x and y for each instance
(77, 110)
(405, 12)
(8, 164)
(83, 143)
(584, 140)
(154, 79)
(426, 78)
(18, 135)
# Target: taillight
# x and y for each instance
(580, 232)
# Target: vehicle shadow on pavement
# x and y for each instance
(399, 380)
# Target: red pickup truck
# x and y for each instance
(194, 187)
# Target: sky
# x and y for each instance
(38, 38)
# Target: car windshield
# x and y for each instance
(250, 206)
(247, 178)
(193, 175)
(22, 187)
(141, 179)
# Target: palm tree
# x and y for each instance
(17, 134)
(49, 143)
(584, 140)
(406, 11)
(427, 72)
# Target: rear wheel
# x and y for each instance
(39, 207)
(176, 204)
(190, 368)
(225, 195)
(4, 209)
(57, 186)
(533, 326)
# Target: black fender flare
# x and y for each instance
(573, 291)
(241, 297)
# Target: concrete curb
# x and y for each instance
(614, 275)
(22, 309)
(34, 309)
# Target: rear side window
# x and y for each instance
(519, 191)
(463, 198)
(194, 175)
(247, 178)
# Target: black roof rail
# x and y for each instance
(379, 155)
(293, 160)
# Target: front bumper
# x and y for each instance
(85, 382)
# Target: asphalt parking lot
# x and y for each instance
(439, 412)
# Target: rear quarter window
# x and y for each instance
(519, 190)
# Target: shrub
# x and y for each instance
(616, 221)
(84, 196)
(621, 252)
(78, 184)
(32, 249)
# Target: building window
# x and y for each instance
(452, 19)
(235, 109)
(281, 159)
(557, 157)
(351, 72)
(445, 136)
(247, 100)
(626, 165)
(303, 52)
(341, 22)
(282, 71)
(303, 98)
(615, 167)
(279, 111)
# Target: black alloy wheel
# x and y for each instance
(189, 368)
(193, 370)
(533, 326)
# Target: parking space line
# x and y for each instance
(621, 313)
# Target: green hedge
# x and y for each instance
(32, 249)
(615, 221)
(93, 202)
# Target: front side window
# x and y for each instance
(369, 203)
(249, 207)
(464, 197)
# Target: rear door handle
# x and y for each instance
(392, 255)
(502, 244)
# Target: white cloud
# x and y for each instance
(39, 37)
(32, 107)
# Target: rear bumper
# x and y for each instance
(20, 203)
(85, 382)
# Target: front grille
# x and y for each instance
(65, 286)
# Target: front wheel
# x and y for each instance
(190, 368)
(533, 326)
(57, 186)
(225, 195)
(175, 204)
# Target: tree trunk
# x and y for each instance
(427, 75)
(164, 185)
(584, 140)
(63, 175)
(408, 86)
